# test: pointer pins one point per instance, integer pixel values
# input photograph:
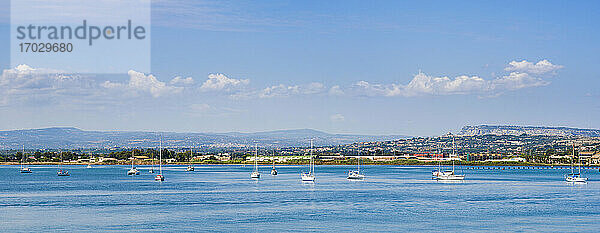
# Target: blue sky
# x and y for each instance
(337, 66)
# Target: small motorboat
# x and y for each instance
(159, 177)
(190, 168)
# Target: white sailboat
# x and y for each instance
(24, 169)
(133, 171)
(255, 174)
(356, 175)
(449, 174)
(160, 176)
(575, 177)
(90, 163)
(60, 171)
(190, 167)
(310, 176)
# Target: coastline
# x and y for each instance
(335, 163)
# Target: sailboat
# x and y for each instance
(575, 177)
(24, 169)
(190, 167)
(60, 171)
(133, 171)
(449, 174)
(356, 175)
(160, 176)
(90, 163)
(273, 170)
(310, 176)
(255, 174)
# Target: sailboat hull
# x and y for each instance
(307, 177)
(25, 170)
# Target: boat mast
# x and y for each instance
(255, 157)
(22, 157)
(453, 154)
(572, 158)
(311, 163)
(160, 155)
(359, 161)
(579, 157)
(132, 157)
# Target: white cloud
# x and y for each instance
(25, 83)
(516, 80)
(217, 82)
(182, 81)
(541, 67)
(139, 82)
(336, 91)
(279, 91)
(337, 117)
(282, 90)
(526, 75)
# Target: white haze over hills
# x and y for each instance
(72, 138)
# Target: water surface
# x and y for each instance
(225, 199)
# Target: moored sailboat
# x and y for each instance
(133, 171)
(24, 169)
(448, 174)
(160, 176)
(190, 167)
(60, 171)
(355, 174)
(310, 176)
(273, 170)
(575, 177)
(255, 174)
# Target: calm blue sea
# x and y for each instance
(225, 199)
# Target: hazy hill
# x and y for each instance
(68, 137)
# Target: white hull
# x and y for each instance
(25, 170)
(159, 178)
(190, 169)
(307, 177)
(133, 172)
(274, 172)
(450, 177)
(355, 175)
(575, 178)
(255, 175)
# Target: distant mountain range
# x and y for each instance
(530, 130)
(71, 138)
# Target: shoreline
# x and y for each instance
(395, 163)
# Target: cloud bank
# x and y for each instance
(524, 75)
